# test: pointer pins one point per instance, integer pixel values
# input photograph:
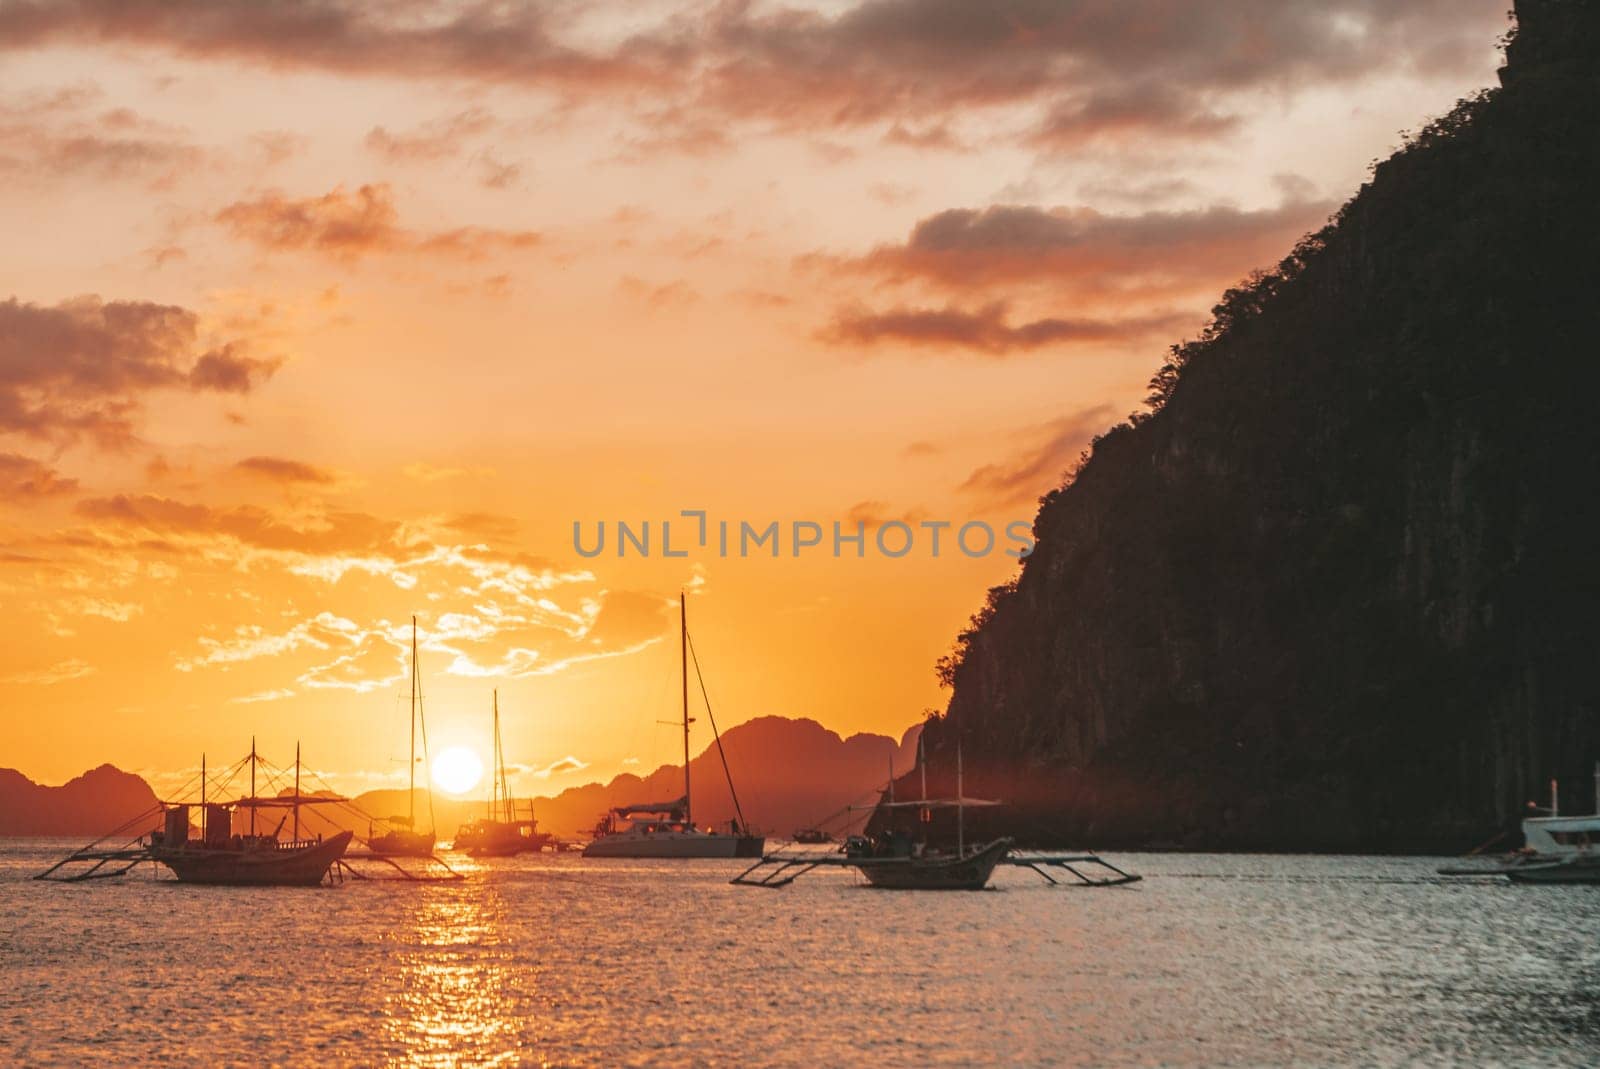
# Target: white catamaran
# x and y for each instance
(667, 829)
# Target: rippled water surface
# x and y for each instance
(1245, 960)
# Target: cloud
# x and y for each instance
(481, 525)
(432, 473)
(347, 226)
(437, 139)
(963, 247)
(674, 294)
(53, 135)
(893, 60)
(874, 514)
(82, 366)
(25, 479)
(1091, 63)
(60, 672)
(1039, 466)
(263, 696)
(498, 43)
(557, 767)
(986, 330)
(1129, 115)
(281, 470)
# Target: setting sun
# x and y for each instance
(457, 770)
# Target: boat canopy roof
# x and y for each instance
(1572, 823)
(284, 801)
(651, 807)
(934, 803)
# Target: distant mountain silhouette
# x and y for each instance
(92, 804)
(789, 774)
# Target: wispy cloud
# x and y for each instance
(348, 225)
(60, 672)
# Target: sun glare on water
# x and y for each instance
(457, 770)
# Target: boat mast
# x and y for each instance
(683, 664)
(411, 795)
(252, 785)
(297, 790)
(502, 789)
(205, 816)
(922, 765)
(961, 804)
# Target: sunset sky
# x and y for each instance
(316, 316)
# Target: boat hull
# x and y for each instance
(969, 873)
(301, 867)
(678, 846)
(522, 845)
(401, 844)
(1579, 870)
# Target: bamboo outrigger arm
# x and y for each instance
(781, 869)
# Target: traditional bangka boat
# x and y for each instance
(1556, 849)
(667, 829)
(403, 840)
(248, 858)
(895, 860)
(503, 833)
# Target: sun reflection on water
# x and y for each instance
(449, 997)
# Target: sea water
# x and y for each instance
(1215, 960)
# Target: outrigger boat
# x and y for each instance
(503, 833)
(403, 840)
(895, 860)
(1556, 849)
(667, 829)
(220, 856)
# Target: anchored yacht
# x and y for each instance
(667, 829)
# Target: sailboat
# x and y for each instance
(404, 840)
(667, 829)
(503, 832)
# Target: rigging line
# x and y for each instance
(220, 779)
(715, 734)
(427, 762)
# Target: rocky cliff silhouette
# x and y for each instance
(1340, 587)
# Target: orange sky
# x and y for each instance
(314, 317)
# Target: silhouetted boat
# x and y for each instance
(403, 840)
(887, 863)
(895, 860)
(503, 833)
(667, 829)
(252, 859)
(219, 856)
(812, 836)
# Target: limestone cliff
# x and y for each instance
(1340, 588)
